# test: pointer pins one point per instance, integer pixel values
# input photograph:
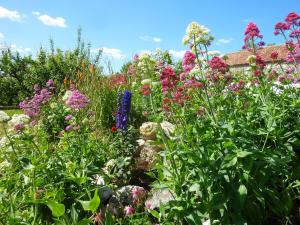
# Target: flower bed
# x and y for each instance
(164, 143)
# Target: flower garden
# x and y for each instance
(162, 142)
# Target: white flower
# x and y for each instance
(198, 33)
(146, 81)
(18, 119)
(4, 142)
(144, 55)
(67, 95)
(98, 180)
(3, 117)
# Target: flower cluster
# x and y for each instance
(188, 61)
(77, 100)
(32, 107)
(252, 33)
(197, 34)
(291, 25)
(216, 63)
(3, 117)
(168, 79)
(123, 109)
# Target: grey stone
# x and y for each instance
(122, 197)
(159, 197)
(105, 193)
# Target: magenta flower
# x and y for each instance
(137, 192)
(77, 100)
(128, 210)
(69, 127)
(68, 117)
(188, 61)
(216, 63)
(292, 18)
(50, 83)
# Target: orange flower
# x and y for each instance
(92, 68)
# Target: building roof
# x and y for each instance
(240, 58)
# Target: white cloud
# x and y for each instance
(50, 21)
(111, 52)
(224, 41)
(16, 48)
(1, 35)
(10, 14)
(177, 54)
(149, 38)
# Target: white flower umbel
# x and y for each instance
(18, 119)
(198, 33)
(3, 117)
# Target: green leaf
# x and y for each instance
(155, 214)
(84, 222)
(230, 162)
(242, 193)
(93, 204)
(56, 208)
(243, 154)
(194, 188)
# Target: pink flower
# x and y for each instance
(252, 31)
(188, 61)
(77, 100)
(148, 205)
(274, 55)
(281, 27)
(145, 89)
(50, 83)
(137, 192)
(168, 79)
(292, 18)
(69, 127)
(128, 210)
(68, 117)
(216, 63)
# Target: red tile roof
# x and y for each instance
(240, 58)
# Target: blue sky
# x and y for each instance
(125, 27)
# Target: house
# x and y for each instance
(238, 60)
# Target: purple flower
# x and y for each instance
(32, 107)
(68, 117)
(50, 83)
(123, 110)
(77, 100)
(69, 127)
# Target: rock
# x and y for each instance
(105, 193)
(168, 129)
(159, 197)
(147, 156)
(148, 130)
(123, 197)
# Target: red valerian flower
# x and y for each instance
(145, 89)
(252, 31)
(168, 79)
(274, 55)
(292, 18)
(260, 62)
(216, 63)
(281, 27)
(188, 61)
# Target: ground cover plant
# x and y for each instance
(163, 142)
